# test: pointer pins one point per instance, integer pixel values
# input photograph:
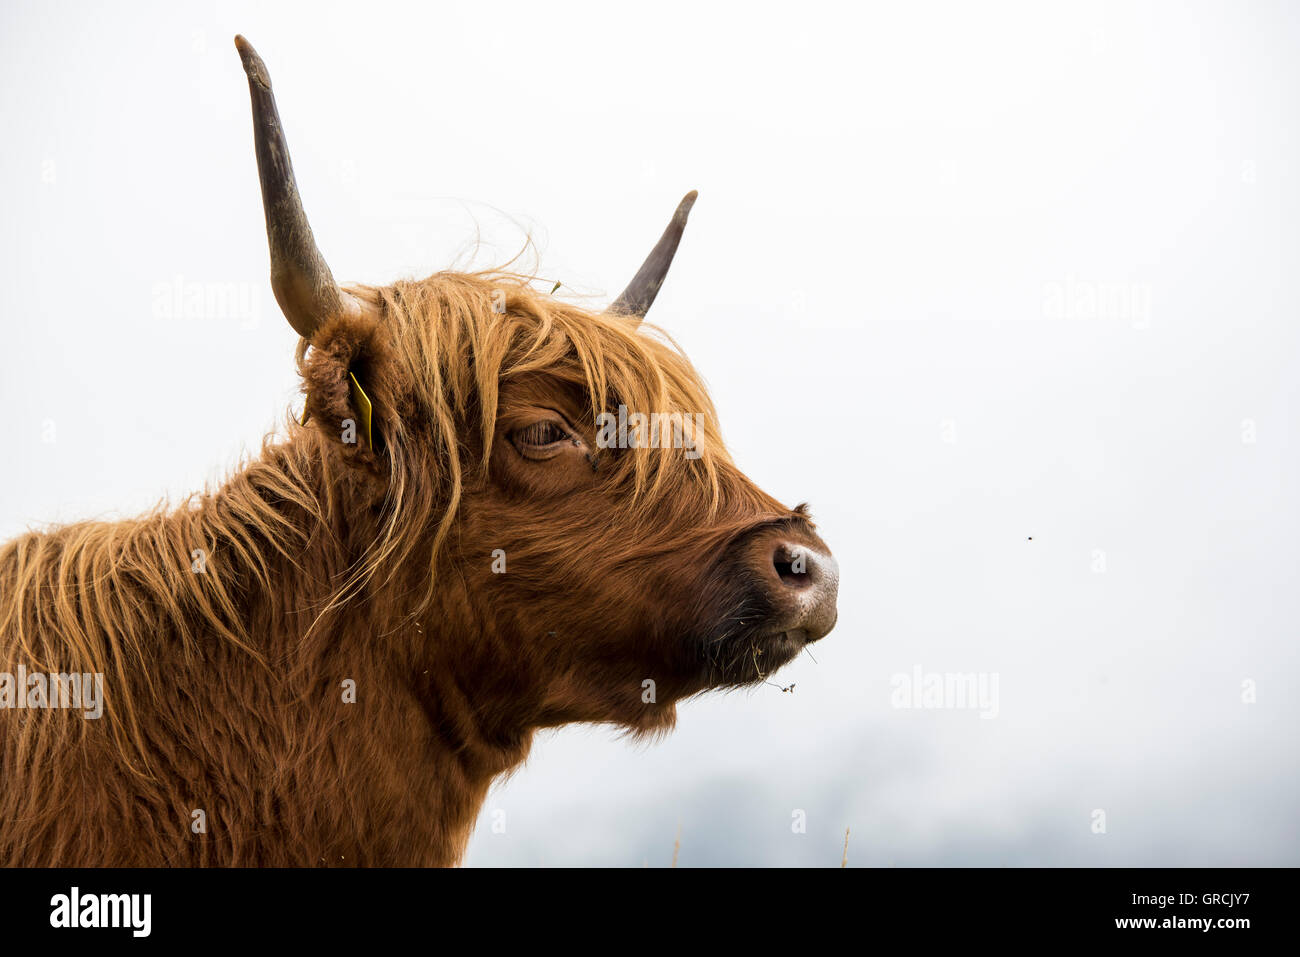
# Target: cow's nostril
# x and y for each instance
(792, 566)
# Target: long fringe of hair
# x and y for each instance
(93, 596)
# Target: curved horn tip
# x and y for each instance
(684, 207)
(640, 293)
(253, 65)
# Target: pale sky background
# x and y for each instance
(959, 275)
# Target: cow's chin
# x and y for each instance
(752, 657)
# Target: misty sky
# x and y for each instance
(1006, 292)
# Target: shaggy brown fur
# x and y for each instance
(325, 561)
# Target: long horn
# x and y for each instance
(303, 284)
(640, 293)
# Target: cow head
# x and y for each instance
(556, 501)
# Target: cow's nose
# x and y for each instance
(805, 587)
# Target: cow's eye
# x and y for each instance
(540, 433)
(541, 439)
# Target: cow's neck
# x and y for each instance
(378, 747)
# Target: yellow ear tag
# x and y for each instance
(362, 403)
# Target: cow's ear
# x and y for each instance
(343, 375)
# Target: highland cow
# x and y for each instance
(328, 659)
